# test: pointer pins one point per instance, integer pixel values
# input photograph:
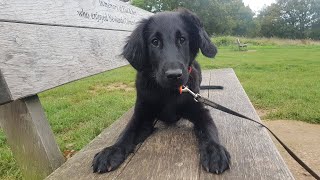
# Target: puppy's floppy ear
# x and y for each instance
(135, 49)
(207, 47)
(203, 41)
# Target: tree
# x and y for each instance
(240, 15)
(298, 16)
(219, 16)
(315, 31)
(285, 19)
(294, 19)
(157, 5)
(270, 21)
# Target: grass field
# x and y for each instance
(284, 81)
(281, 79)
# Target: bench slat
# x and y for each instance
(47, 43)
(36, 58)
(109, 14)
(171, 152)
(253, 154)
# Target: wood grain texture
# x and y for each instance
(253, 154)
(37, 58)
(30, 137)
(46, 43)
(108, 14)
(171, 152)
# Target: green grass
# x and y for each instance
(283, 80)
(260, 41)
(79, 111)
(8, 167)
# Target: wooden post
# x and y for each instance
(5, 95)
(30, 137)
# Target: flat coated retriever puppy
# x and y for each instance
(163, 49)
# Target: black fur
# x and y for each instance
(161, 49)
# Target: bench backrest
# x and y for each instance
(47, 43)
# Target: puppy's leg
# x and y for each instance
(137, 130)
(213, 156)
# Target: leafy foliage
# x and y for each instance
(219, 16)
(296, 19)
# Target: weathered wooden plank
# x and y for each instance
(108, 14)
(171, 152)
(253, 154)
(30, 137)
(5, 95)
(205, 81)
(37, 58)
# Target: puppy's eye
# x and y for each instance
(155, 42)
(181, 40)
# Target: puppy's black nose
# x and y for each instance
(173, 73)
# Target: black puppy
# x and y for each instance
(163, 49)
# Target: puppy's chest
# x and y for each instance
(169, 113)
(170, 110)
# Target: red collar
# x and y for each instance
(190, 69)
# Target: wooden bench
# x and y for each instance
(241, 46)
(171, 152)
(45, 44)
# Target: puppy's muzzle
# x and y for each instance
(173, 74)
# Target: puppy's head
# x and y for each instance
(166, 45)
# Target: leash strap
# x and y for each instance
(199, 98)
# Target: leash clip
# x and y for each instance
(186, 89)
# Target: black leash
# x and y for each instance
(211, 87)
(199, 98)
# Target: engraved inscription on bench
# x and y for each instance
(113, 13)
(106, 14)
(47, 43)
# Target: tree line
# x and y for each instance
(295, 19)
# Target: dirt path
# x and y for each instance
(303, 139)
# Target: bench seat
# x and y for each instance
(171, 152)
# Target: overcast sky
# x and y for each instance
(256, 5)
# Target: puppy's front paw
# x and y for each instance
(108, 159)
(214, 158)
